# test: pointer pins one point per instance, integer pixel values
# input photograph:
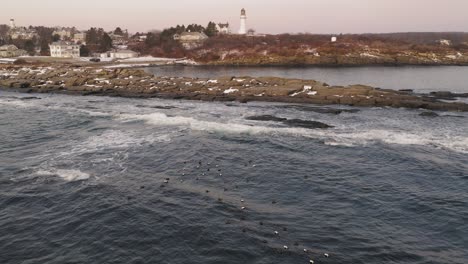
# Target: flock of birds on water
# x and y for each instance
(243, 206)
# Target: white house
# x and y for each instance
(62, 49)
(123, 54)
(333, 39)
(9, 51)
(223, 28)
(120, 54)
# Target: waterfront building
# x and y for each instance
(243, 22)
(334, 39)
(63, 49)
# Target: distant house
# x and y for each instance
(334, 39)
(191, 40)
(64, 33)
(9, 51)
(120, 54)
(123, 54)
(63, 49)
(223, 28)
(80, 38)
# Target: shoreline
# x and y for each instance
(140, 62)
(136, 83)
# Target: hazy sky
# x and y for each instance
(266, 16)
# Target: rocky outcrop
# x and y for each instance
(137, 83)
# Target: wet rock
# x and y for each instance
(266, 118)
(291, 122)
(429, 114)
(448, 95)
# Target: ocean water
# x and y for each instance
(116, 180)
(422, 79)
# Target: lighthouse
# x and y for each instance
(243, 23)
(12, 23)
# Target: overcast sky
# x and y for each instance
(266, 16)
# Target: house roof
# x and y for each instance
(63, 43)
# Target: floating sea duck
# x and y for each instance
(286, 247)
(285, 229)
(242, 200)
(207, 191)
(203, 174)
(311, 262)
(305, 250)
(243, 207)
(276, 233)
(220, 174)
(326, 255)
(261, 223)
(166, 181)
(254, 165)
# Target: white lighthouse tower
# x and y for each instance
(243, 23)
(12, 23)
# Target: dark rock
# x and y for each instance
(266, 118)
(290, 122)
(429, 114)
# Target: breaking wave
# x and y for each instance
(341, 136)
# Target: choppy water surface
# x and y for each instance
(420, 78)
(112, 180)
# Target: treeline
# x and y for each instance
(162, 44)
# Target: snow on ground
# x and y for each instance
(147, 59)
(127, 65)
(231, 90)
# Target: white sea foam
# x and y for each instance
(160, 119)
(67, 175)
(340, 136)
(116, 139)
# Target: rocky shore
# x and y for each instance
(137, 83)
(355, 59)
